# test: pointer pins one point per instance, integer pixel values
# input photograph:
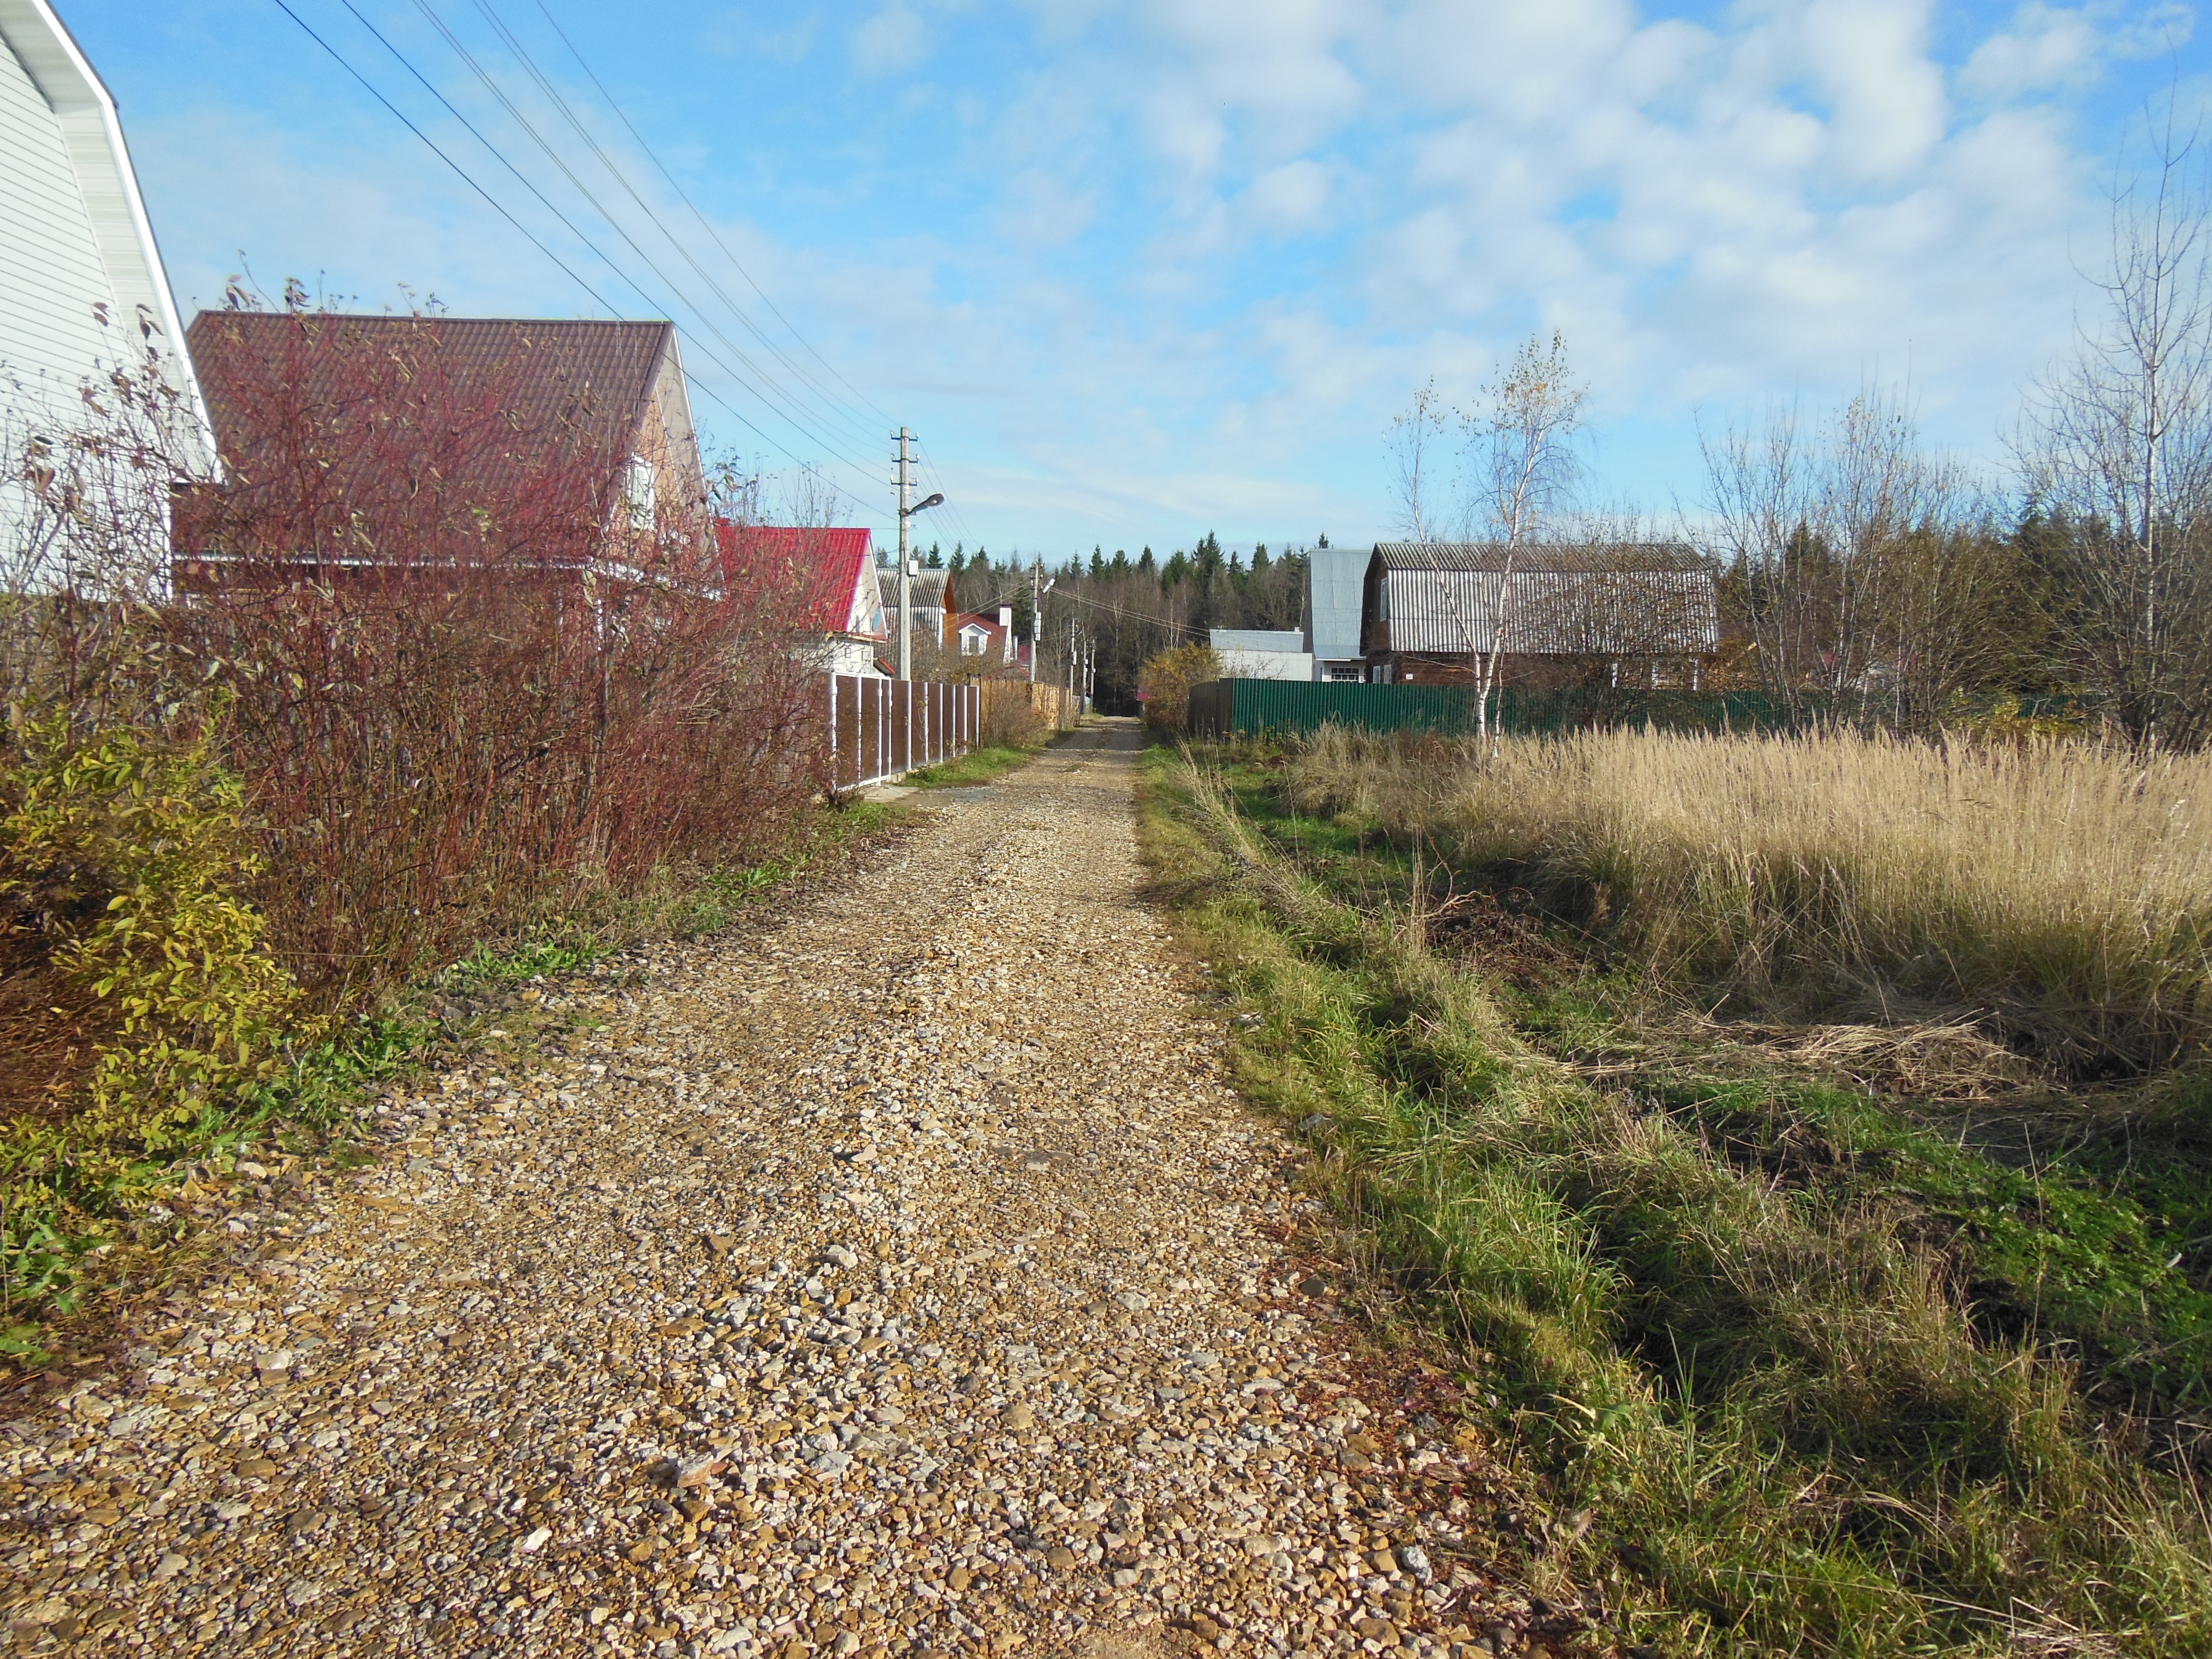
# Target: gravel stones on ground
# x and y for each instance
(904, 1280)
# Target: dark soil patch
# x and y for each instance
(50, 1029)
(1502, 935)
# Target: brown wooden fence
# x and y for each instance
(880, 729)
(1053, 706)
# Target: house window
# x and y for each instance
(974, 641)
(637, 489)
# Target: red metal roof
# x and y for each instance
(828, 565)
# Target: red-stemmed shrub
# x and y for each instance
(466, 677)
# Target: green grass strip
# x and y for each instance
(1773, 1406)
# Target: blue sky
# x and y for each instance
(1135, 271)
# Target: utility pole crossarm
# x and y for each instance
(906, 561)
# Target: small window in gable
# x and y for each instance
(637, 490)
(973, 640)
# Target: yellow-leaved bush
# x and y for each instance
(132, 852)
(1165, 682)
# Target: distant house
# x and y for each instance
(354, 446)
(1556, 614)
(833, 571)
(925, 592)
(1336, 579)
(1259, 654)
(82, 294)
(980, 635)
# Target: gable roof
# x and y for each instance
(829, 567)
(1335, 578)
(78, 234)
(1559, 557)
(1547, 599)
(925, 590)
(588, 380)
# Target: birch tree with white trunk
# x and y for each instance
(1521, 440)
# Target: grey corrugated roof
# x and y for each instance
(924, 593)
(1257, 639)
(1575, 558)
(1335, 578)
(1637, 598)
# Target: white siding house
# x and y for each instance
(1261, 654)
(79, 271)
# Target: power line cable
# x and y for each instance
(937, 480)
(339, 59)
(683, 196)
(531, 131)
(499, 207)
(807, 387)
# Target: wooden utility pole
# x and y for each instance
(906, 559)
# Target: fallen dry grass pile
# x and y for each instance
(2057, 896)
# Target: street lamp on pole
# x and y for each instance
(906, 559)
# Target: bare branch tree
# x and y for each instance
(1416, 451)
(86, 476)
(2118, 451)
(1860, 563)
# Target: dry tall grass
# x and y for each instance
(1782, 1419)
(2058, 894)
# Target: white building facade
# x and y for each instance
(82, 294)
(1261, 654)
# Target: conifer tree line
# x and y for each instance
(1128, 609)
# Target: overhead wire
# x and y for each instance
(683, 196)
(530, 130)
(820, 395)
(466, 177)
(496, 207)
(823, 396)
(935, 479)
(808, 387)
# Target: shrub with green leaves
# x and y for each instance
(130, 853)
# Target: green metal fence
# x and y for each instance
(1223, 708)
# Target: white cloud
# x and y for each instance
(732, 34)
(1786, 203)
(1289, 198)
(1162, 263)
(1871, 57)
(894, 40)
(2046, 47)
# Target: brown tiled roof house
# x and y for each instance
(353, 442)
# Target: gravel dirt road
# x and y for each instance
(900, 1277)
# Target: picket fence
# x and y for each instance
(881, 729)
